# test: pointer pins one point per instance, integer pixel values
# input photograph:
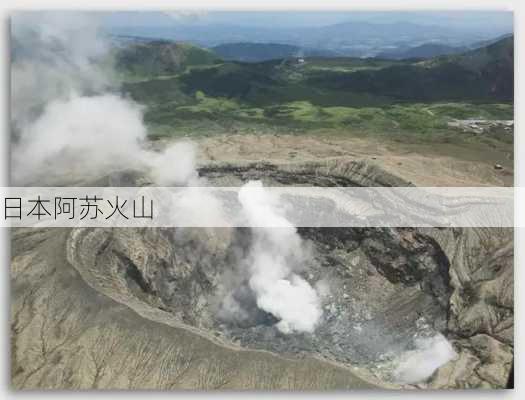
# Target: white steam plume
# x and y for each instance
(419, 364)
(183, 154)
(78, 135)
(69, 126)
(52, 55)
(275, 254)
(69, 121)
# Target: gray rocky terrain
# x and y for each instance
(139, 308)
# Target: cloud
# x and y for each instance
(186, 15)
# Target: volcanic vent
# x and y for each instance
(379, 289)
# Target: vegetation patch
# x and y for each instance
(192, 92)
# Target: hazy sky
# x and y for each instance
(468, 19)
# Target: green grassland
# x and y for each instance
(188, 90)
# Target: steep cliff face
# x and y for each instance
(481, 308)
(138, 308)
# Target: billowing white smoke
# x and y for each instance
(174, 165)
(70, 124)
(87, 134)
(52, 55)
(83, 136)
(276, 253)
(419, 364)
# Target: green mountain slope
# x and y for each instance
(154, 58)
(492, 64)
(478, 75)
(348, 93)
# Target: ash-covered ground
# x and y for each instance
(380, 289)
(389, 297)
(149, 308)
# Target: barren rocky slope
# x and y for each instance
(129, 308)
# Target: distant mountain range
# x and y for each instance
(355, 38)
(426, 50)
(256, 52)
(482, 75)
(169, 58)
(429, 50)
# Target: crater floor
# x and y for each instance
(123, 308)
